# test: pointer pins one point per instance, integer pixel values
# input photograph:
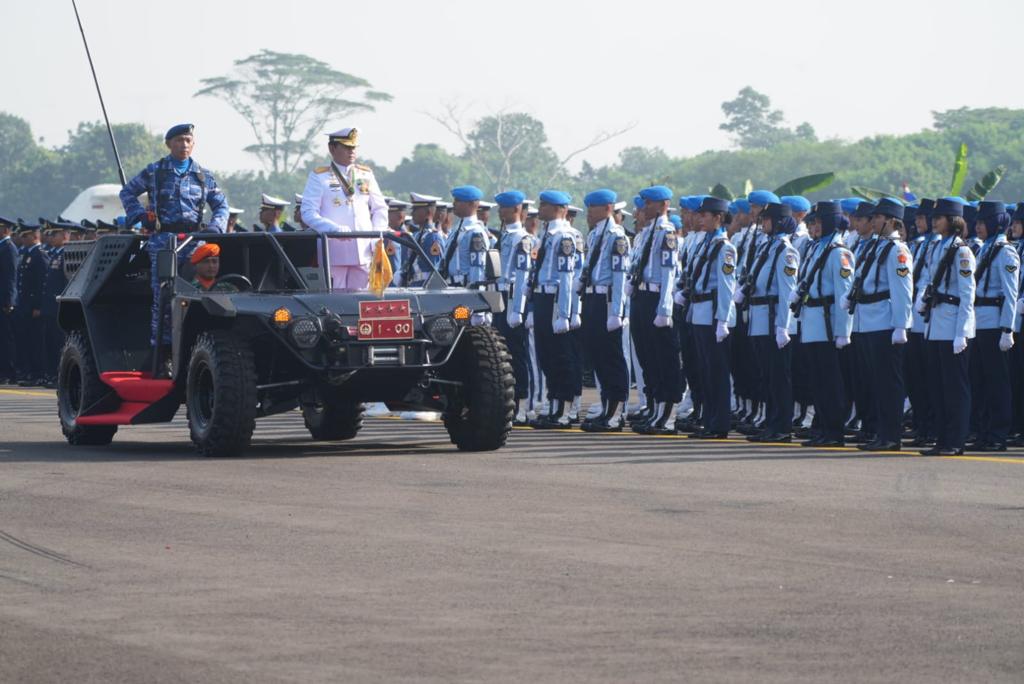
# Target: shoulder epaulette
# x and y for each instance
(363, 167)
(322, 169)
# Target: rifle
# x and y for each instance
(595, 254)
(453, 244)
(804, 288)
(858, 282)
(929, 292)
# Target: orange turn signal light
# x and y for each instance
(461, 313)
(282, 317)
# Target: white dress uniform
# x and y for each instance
(345, 199)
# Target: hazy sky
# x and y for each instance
(849, 68)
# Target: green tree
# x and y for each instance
(287, 100)
(755, 125)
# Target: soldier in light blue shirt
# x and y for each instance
(511, 237)
(550, 285)
(770, 288)
(915, 364)
(709, 296)
(465, 250)
(995, 309)
(882, 301)
(825, 327)
(947, 304)
(416, 269)
(603, 282)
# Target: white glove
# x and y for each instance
(1005, 341)
(662, 321)
(576, 323)
(529, 321)
(629, 289)
(919, 304)
(721, 331)
(844, 302)
(842, 342)
(793, 296)
(899, 336)
(1020, 307)
(514, 319)
(959, 344)
(560, 326)
(737, 296)
(679, 298)
(613, 323)
(781, 337)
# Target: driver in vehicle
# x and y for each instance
(206, 259)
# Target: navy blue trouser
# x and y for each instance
(915, 367)
(518, 343)
(885, 368)
(952, 392)
(863, 391)
(827, 388)
(30, 344)
(777, 383)
(691, 370)
(8, 350)
(642, 308)
(713, 360)
(994, 412)
(554, 352)
(605, 348)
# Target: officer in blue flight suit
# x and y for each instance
(825, 327)
(28, 312)
(921, 401)
(9, 258)
(709, 295)
(947, 303)
(510, 237)
(415, 268)
(771, 285)
(603, 280)
(53, 285)
(882, 301)
(465, 248)
(995, 308)
(653, 277)
(549, 284)
(397, 223)
(179, 190)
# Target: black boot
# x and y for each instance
(556, 418)
(610, 419)
(659, 425)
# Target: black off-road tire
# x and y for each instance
(220, 394)
(333, 419)
(481, 419)
(79, 387)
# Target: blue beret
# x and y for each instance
(638, 202)
(888, 207)
(467, 193)
(676, 221)
(741, 206)
(850, 204)
(796, 202)
(510, 198)
(763, 197)
(598, 197)
(180, 129)
(555, 197)
(656, 193)
(713, 204)
(682, 201)
(693, 202)
(948, 206)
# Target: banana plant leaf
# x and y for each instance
(806, 184)
(987, 184)
(722, 192)
(873, 194)
(959, 171)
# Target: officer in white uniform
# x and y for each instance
(344, 197)
(271, 210)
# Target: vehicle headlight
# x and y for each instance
(305, 332)
(441, 330)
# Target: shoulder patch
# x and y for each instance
(621, 246)
(789, 270)
(526, 245)
(669, 242)
(902, 271)
(903, 257)
(322, 169)
(568, 246)
(435, 249)
(363, 167)
(790, 258)
(1011, 268)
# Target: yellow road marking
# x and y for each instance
(26, 393)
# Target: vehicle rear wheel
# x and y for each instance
(79, 387)
(481, 411)
(221, 394)
(332, 419)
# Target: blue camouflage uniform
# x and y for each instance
(416, 269)
(30, 325)
(53, 286)
(8, 299)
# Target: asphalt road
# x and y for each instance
(563, 558)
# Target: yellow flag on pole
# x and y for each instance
(380, 270)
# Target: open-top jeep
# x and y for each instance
(283, 340)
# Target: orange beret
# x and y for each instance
(205, 250)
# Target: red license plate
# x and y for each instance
(384, 308)
(385, 329)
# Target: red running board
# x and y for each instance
(137, 391)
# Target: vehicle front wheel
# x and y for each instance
(79, 387)
(221, 394)
(480, 414)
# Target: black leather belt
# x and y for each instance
(988, 301)
(873, 297)
(941, 298)
(704, 297)
(821, 301)
(761, 301)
